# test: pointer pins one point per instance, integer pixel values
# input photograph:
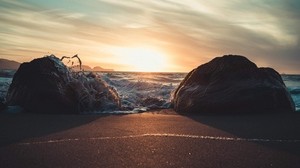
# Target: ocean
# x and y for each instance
(292, 82)
(141, 91)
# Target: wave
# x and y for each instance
(139, 92)
(291, 78)
(294, 90)
(4, 85)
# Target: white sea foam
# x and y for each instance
(166, 135)
(292, 82)
(143, 91)
(4, 85)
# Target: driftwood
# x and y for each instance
(72, 62)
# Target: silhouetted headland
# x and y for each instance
(6, 64)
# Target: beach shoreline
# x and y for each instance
(155, 139)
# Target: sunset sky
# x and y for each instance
(153, 35)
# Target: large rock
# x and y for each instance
(232, 84)
(45, 85)
(2, 106)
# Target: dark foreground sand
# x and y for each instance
(154, 139)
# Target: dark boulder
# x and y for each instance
(46, 85)
(2, 106)
(232, 84)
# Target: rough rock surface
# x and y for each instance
(46, 85)
(2, 106)
(232, 84)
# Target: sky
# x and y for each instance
(153, 35)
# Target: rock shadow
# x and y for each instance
(17, 127)
(258, 126)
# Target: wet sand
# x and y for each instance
(153, 139)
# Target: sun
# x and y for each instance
(144, 59)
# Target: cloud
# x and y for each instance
(265, 31)
(191, 32)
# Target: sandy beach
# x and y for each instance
(112, 83)
(152, 139)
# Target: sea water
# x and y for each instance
(292, 82)
(145, 91)
(4, 85)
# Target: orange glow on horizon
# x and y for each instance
(143, 59)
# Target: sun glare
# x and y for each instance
(144, 59)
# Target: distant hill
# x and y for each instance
(8, 64)
(88, 68)
(13, 65)
(97, 68)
